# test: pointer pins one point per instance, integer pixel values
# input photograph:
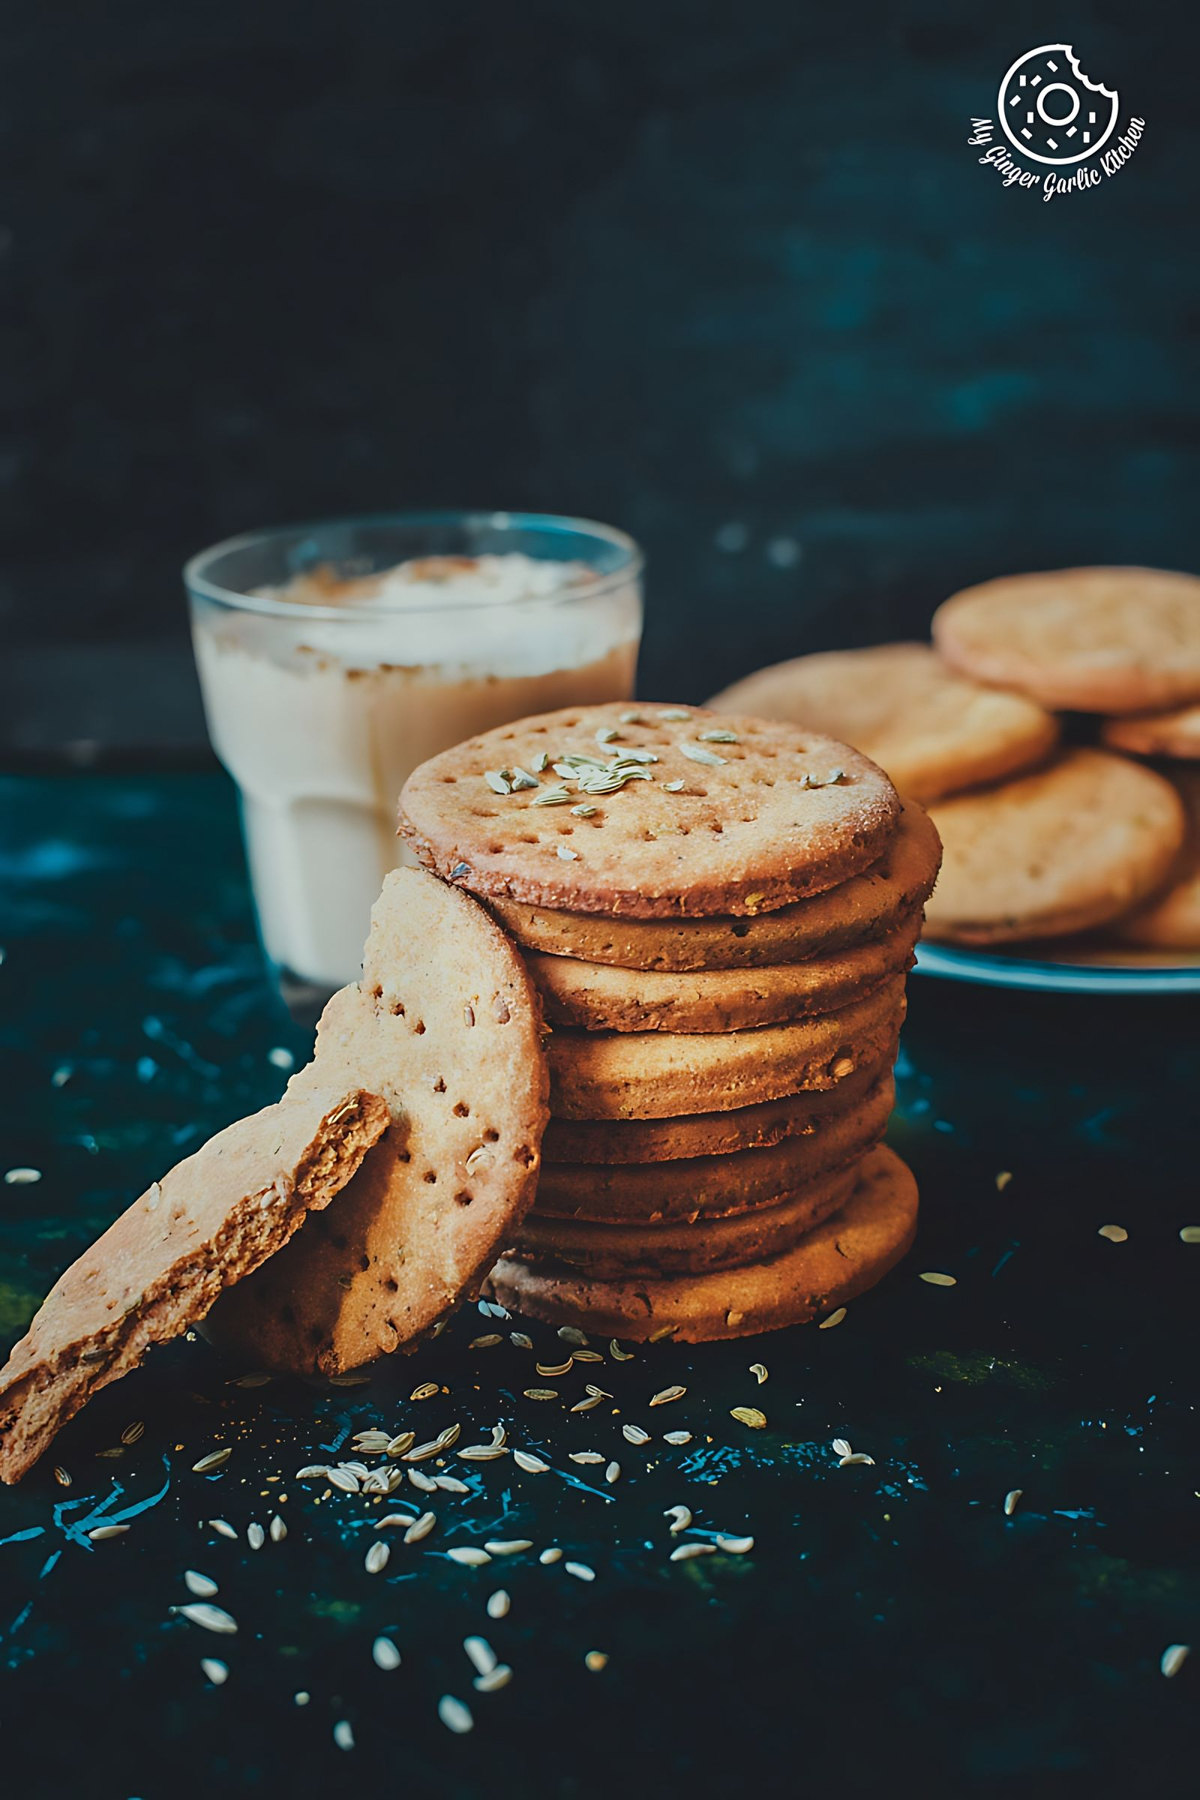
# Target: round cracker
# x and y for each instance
(613, 1252)
(840, 1259)
(449, 1026)
(621, 1141)
(1156, 734)
(1071, 846)
(661, 1074)
(761, 821)
(597, 997)
(865, 907)
(1171, 920)
(1095, 640)
(934, 731)
(708, 1187)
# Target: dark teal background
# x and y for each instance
(720, 274)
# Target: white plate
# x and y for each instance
(1090, 970)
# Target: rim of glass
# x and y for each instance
(591, 587)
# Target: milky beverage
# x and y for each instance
(321, 721)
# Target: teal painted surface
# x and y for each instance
(891, 1628)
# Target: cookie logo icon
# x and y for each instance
(1050, 111)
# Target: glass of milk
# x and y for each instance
(334, 658)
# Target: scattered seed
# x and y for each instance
(468, 1556)
(685, 1552)
(841, 1447)
(1173, 1658)
(213, 1460)
(507, 1546)
(522, 780)
(717, 737)
(61, 1476)
(482, 1452)
(834, 1318)
(553, 796)
(619, 1355)
(532, 1465)
(1190, 1234)
(587, 1405)
(485, 1342)
(698, 754)
(217, 1672)
(580, 1571)
(481, 1654)
(571, 1334)
(936, 1279)
(426, 1391)
(541, 1393)
(680, 1517)
(278, 1530)
(585, 1456)
(677, 1437)
(595, 1660)
(588, 1356)
(674, 787)
(423, 1452)
(210, 1618)
(748, 1415)
(633, 1434)
(203, 1586)
(498, 1604)
(673, 715)
(520, 1340)
(667, 1393)
(1003, 1179)
(454, 1715)
(613, 1473)
(21, 1177)
(350, 1381)
(224, 1529)
(552, 1369)
(550, 1555)
(663, 1332)
(343, 1735)
(540, 761)
(256, 1537)
(450, 1484)
(855, 1456)
(567, 854)
(735, 1546)
(1010, 1501)
(133, 1432)
(376, 1560)
(338, 1478)
(301, 1699)
(496, 1678)
(425, 1484)
(420, 1528)
(1116, 1234)
(103, 1532)
(607, 734)
(759, 1372)
(385, 1654)
(398, 1445)
(496, 781)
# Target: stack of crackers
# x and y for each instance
(1024, 726)
(719, 914)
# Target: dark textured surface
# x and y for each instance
(891, 1631)
(726, 276)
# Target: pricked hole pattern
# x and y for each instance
(461, 1110)
(463, 1197)
(430, 1176)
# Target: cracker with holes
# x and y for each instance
(649, 813)
(447, 1026)
(159, 1268)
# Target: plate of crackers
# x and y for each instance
(1051, 729)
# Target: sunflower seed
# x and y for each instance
(384, 1654)
(580, 1571)
(936, 1279)
(532, 1465)
(551, 1555)
(832, 1319)
(277, 1530)
(680, 1516)
(217, 1672)
(203, 1586)
(674, 714)
(567, 854)
(425, 1484)
(588, 1356)
(759, 1372)
(343, 1735)
(856, 1456)
(496, 781)
(496, 1678)
(454, 1715)
(359, 1470)
(210, 1618)
(420, 1528)
(521, 780)
(748, 1415)
(482, 1452)
(585, 1456)
(1116, 1234)
(540, 761)
(256, 1537)
(677, 1437)
(667, 1393)
(633, 1434)
(571, 1334)
(685, 1552)
(377, 1557)
(481, 1654)
(1173, 1658)
(507, 1546)
(698, 754)
(498, 1604)
(735, 1546)
(398, 1445)
(224, 1529)
(613, 1473)
(1190, 1234)
(520, 1340)
(61, 1476)
(1010, 1501)
(553, 1369)
(22, 1177)
(423, 1452)
(310, 1472)
(102, 1532)
(338, 1478)
(674, 787)
(541, 1393)
(212, 1461)
(468, 1556)
(586, 1405)
(392, 1519)
(133, 1432)
(489, 1338)
(619, 1355)
(718, 737)
(584, 812)
(840, 1447)
(553, 796)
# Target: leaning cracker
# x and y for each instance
(1171, 919)
(934, 731)
(446, 1025)
(761, 815)
(1156, 734)
(859, 910)
(159, 1267)
(1070, 846)
(830, 1265)
(1096, 640)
